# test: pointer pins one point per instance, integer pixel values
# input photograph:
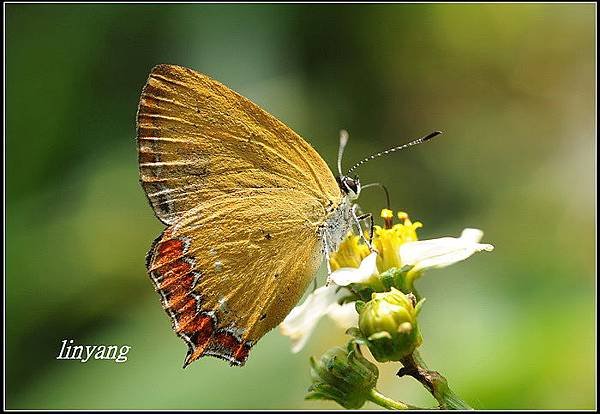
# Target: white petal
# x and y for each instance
(345, 276)
(348, 275)
(425, 254)
(344, 315)
(472, 235)
(301, 321)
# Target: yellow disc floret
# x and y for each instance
(386, 240)
(350, 253)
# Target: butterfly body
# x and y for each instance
(250, 209)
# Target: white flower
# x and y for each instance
(423, 254)
(344, 315)
(301, 321)
(436, 253)
(347, 275)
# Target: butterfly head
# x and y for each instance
(349, 186)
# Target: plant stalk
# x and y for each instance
(435, 383)
(386, 402)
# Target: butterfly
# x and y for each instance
(250, 210)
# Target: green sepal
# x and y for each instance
(363, 292)
(359, 306)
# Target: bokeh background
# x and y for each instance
(512, 87)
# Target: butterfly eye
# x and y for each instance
(351, 186)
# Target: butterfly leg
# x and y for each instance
(326, 243)
(357, 220)
(371, 223)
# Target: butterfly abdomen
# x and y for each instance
(171, 271)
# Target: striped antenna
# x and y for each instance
(398, 148)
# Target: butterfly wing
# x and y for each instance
(231, 269)
(198, 139)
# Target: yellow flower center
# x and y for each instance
(386, 240)
(350, 253)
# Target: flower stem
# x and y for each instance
(385, 402)
(433, 381)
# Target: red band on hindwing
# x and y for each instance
(175, 279)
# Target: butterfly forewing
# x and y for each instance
(245, 200)
(198, 139)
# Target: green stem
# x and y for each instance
(386, 402)
(433, 381)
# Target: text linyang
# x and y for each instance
(84, 353)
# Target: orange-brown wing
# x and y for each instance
(231, 269)
(198, 139)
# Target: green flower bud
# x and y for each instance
(344, 376)
(388, 322)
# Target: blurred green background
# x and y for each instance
(512, 87)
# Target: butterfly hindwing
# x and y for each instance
(198, 139)
(230, 270)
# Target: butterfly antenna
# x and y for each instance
(385, 190)
(398, 148)
(343, 142)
